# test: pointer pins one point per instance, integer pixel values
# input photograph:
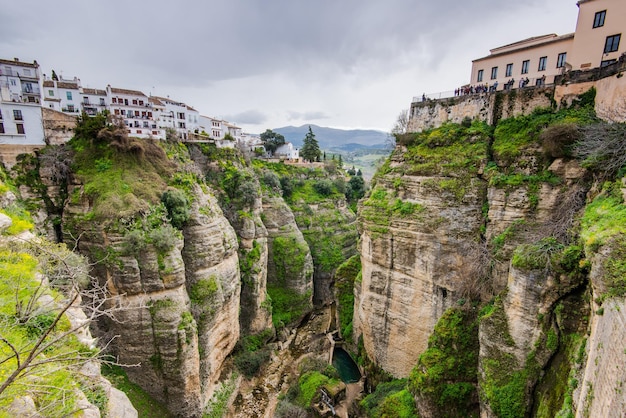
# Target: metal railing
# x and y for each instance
(480, 88)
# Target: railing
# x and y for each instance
(480, 89)
(10, 73)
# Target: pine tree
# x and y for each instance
(310, 148)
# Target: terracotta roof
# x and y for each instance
(155, 100)
(124, 91)
(548, 40)
(191, 108)
(94, 91)
(168, 100)
(48, 83)
(20, 63)
(66, 85)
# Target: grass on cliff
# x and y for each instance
(345, 277)
(146, 405)
(122, 176)
(512, 135)
(450, 150)
(447, 372)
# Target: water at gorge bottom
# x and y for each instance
(347, 368)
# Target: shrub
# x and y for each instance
(177, 206)
(287, 185)
(249, 362)
(323, 187)
(558, 139)
(271, 180)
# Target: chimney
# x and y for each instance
(16, 59)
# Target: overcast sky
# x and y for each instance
(270, 63)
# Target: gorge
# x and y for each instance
(481, 275)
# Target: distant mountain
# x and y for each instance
(329, 138)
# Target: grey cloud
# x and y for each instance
(249, 117)
(307, 116)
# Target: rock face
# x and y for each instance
(329, 228)
(290, 264)
(181, 295)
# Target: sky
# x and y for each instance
(265, 64)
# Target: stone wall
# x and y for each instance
(486, 107)
(58, 127)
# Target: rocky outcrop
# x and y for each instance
(329, 228)
(417, 251)
(289, 264)
(181, 298)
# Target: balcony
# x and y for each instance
(8, 73)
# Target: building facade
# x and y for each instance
(20, 103)
(598, 41)
(135, 110)
(536, 61)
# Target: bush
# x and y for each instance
(271, 180)
(323, 187)
(558, 139)
(249, 362)
(177, 207)
(287, 185)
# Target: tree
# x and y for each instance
(40, 351)
(310, 148)
(272, 140)
(399, 129)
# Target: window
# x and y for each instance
(102, 101)
(560, 61)
(86, 100)
(126, 102)
(612, 43)
(543, 61)
(134, 101)
(20, 128)
(114, 100)
(494, 73)
(0, 114)
(525, 65)
(1, 128)
(181, 115)
(140, 102)
(51, 93)
(509, 70)
(598, 20)
(17, 115)
(69, 95)
(116, 111)
(70, 108)
(26, 72)
(480, 76)
(607, 62)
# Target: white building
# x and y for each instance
(135, 109)
(288, 151)
(173, 116)
(20, 109)
(93, 101)
(62, 95)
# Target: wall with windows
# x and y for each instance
(599, 33)
(21, 123)
(532, 58)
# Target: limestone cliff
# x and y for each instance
(500, 217)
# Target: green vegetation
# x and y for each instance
(390, 399)
(513, 135)
(345, 277)
(287, 305)
(604, 225)
(218, 404)
(446, 374)
(145, 404)
(289, 256)
(40, 356)
(309, 385)
(177, 206)
(248, 260)
(450, 150)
